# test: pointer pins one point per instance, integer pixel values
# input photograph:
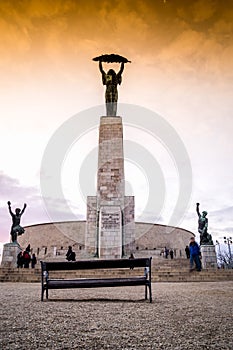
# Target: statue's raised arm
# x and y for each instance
(121, 69)
(197, 209)
(101, 68)
(9, 208)
(23, 210)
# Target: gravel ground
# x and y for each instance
(182, 316)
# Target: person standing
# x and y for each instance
(166, 251)
(194, 254)
(70, 255)
(26, 259)
(131, 257)
(33, 261)
(20, 259)
(171, 253)
(187, 252)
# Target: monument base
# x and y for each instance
(110, 232)
(209, 259)
(9, 254)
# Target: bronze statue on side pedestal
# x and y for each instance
(205, 237)
(16, 229)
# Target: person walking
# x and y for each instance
(194, 255)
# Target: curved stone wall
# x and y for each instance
(52, 239)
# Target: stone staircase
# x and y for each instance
(163, 270)
(8, 274)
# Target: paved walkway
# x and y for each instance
(182, 316)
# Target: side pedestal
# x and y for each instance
(209, 259)
(9, 254)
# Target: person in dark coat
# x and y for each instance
(20, 260)
(131, 257)
(70, 255)
(33, 261)
(187, 252)
(26, 259)
(194, 254)
(171, 254)
(166, 250)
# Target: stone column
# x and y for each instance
(110, 215)
(111, 178)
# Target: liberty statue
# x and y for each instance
(111, 79)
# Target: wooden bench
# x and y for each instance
(53, 283)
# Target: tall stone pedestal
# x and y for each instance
(110, 214)
(209, 259)
(9, 254)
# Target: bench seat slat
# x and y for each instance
(92, 283)
(94, 264)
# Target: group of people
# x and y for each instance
(166, 252)
(24, 258)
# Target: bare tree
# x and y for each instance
(224, 257)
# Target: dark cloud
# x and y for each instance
(223, 217)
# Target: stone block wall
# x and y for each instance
(44, 238)
(91, 226)
(110, 177)
(9, 254)
(129, 225)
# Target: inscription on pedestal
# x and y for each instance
(110, 221)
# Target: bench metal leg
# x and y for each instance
(150, 293)
(47, 293)
(145, 292)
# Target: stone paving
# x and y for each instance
(182, 316)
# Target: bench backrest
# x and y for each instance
(96, 264)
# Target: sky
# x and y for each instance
(181, 70)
